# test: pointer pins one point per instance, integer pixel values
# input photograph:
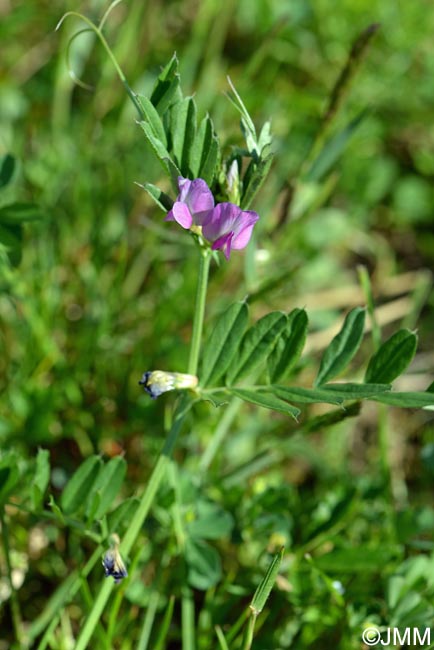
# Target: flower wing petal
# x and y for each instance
(181, 214)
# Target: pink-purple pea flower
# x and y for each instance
(226, 226)
(193, 205)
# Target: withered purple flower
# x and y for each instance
(112, 561)
(228, 227)
(157, 382)
(194, 203)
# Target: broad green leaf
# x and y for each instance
(263, 591)
(183, 132)
(289, 346)
(409, 604)
(396, 588)
(255, 175)
(92, 504)
(200, 147)
(210, 164)
(79, 486)
(410, 400)
(167, 89)
(7, 168)
(41, 477)
(161, 152)
(333, 149)
(257, 344)
(18, 213)
(161, 199)
(392, 358)
(109, 483)
(266, 400)
(120, 517)
(223, 343)
(356, 391)
(205, 152)
(302, 395)
(343, 347)
(211, 522)
(204, 565)
(153, 118)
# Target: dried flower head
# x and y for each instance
(113, 563)
(156, 382)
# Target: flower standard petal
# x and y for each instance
(193, 205)
(221, 221)
(199, 200)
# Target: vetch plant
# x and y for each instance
(238, 364)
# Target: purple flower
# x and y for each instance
(193, 205)
(229, 227)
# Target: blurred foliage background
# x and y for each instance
(104, 290)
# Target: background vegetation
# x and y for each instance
(95, 289)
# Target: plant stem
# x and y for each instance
(148, 622)
(160, 468)
(220, 433)
(187, 616)
(248, 639)
(196, 335)
(136, 523)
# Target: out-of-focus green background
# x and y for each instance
(104, 289)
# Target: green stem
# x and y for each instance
(220, 433)
(187, 619)
(159, 471)
(248, 639)
(136, 523)
(196, 335)
(148, 622)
